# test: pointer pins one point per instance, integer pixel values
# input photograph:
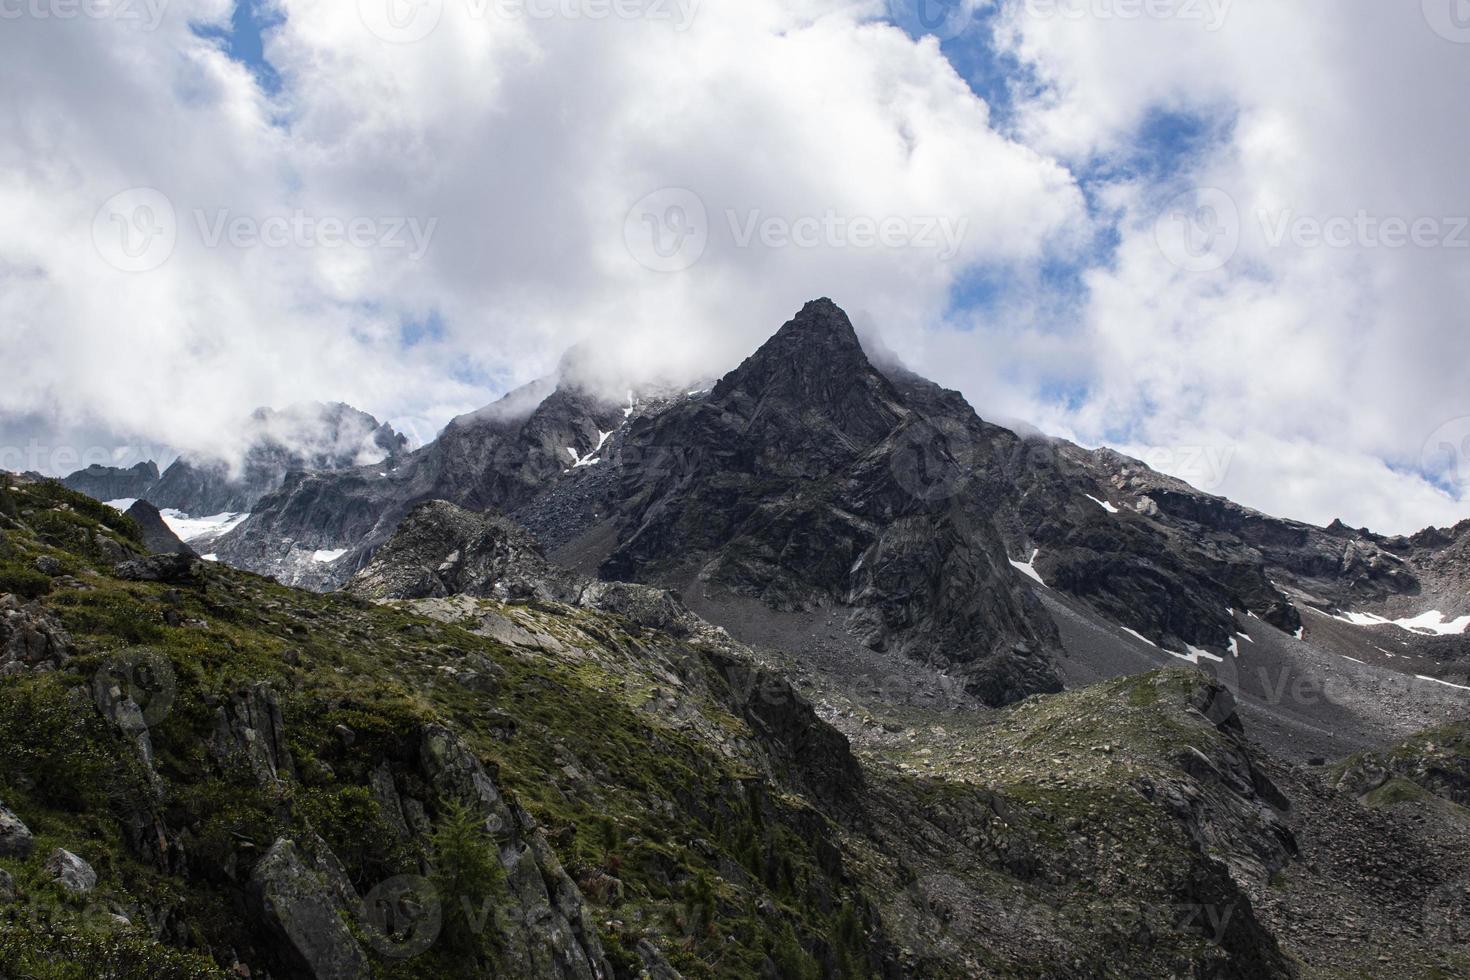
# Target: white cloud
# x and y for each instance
(522, 142)
(1346, 357)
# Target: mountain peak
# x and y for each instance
(815, 354)
(822, 318)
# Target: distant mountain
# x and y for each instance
(114, 483)
(811, 483)
(307, 437)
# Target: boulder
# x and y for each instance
(307, 912)
(7, 888)
(16, 840)
(174, 569)
(70, 872)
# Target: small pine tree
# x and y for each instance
(469, 878)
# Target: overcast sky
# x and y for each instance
(1229, 237)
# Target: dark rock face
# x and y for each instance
(158, 537)
(810, 754)
(554, 936)
(499, 457)
(250, 734)
(795, 482)
(114, 483)
(308, 914)
(441, 550)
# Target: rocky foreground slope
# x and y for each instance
(208, 774)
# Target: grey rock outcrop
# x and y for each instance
(441, 550)
(30, 638)
(306, 909)
(70, 871)
(250, 734)
(550, 931)
(16, 840)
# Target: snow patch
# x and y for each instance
(1139, 636)
(1195, 655)
(214, 558)
(1028, 568)
(1102, 503)
(1436, 680)
(590, 459)
(327, 557)
(1235, 648)
(190, 528)
(1431, 623)
(122, 504)
(1246, 637)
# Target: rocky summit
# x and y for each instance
(809, 672)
